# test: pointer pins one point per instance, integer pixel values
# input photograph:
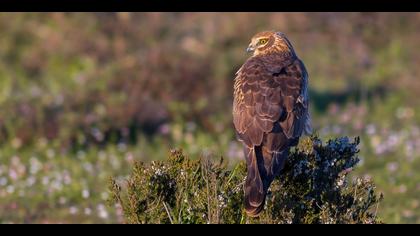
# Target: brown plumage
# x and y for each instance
(270, 111)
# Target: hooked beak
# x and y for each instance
(250, 48)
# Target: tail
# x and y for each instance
(262, 166)
(255, 191)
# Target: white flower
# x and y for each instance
(392, 167)
(73, 210)
(102, 213)
(88, 211)
(35, 165)
(62, 200)
(3, 181)
(85, 193)
(10, 189)
(30, 181)
(13, 174)
(340, 182)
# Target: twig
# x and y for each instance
(376, 210)
(167, 211)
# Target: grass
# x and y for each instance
(46, 183)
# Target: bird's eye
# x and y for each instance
(262, 41)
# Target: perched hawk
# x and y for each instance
(270, 111)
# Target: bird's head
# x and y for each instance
(269, 42)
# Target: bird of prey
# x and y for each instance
(270, 111)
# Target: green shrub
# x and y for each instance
(312, 188)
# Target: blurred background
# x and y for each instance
(83, 95)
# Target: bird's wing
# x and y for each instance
(269, 99)
(294, 93)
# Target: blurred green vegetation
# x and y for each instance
(83, 96)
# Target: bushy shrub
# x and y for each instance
(312, 188)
